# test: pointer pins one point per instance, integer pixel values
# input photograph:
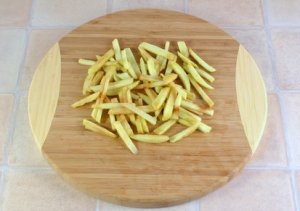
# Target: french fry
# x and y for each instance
(112, 117)
(87, 82)
(85, 100)
(119, 84)
(153, 139)
(168, 109)
(202, 127)
(162, 96)
(110, 63)
(201, 61)
(150, 119)
(198, 78)
(86, 62)
(113, 92)
(133, 62)
(205, 75)
(169, 66)
(163, 61)
(157, 50)
(125, 62)
(134, 96)
(164, 127)
(139, 126)
(183, 49)
(129, 100)
(143, 68)
(186, 60)
(182, 75)
(123, 76)
(97, 78)
(101, 61)
(169, 78)
(121, 118)
(145, 108)
(133, 85)
(177, 106)
(145, 98)
(146, 56)
(116, 47)
(204, 96)
(150, 78)
(110, 105)
(154, 84)
(143, 121)
(122, 133)
(192, 106)
(95, 110)
(151, 68)
(131, 71)
(98, 129)
(151, 94)
(179, 89)
(187, 115)
(184, 133)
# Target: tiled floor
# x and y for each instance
(269, 29)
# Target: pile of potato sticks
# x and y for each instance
(131, 92)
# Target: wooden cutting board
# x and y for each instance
(160, 174)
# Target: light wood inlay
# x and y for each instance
(43, 94)
(161, 174)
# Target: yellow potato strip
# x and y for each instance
(122, 133)
(183, 49)
(164, 127)
(98, 129)
(184, 133)
(153, 139)
(201, 61)
(150, 119)
(157, 50)
(162, 96)
(198, 78)
(85, 100)
(101, 61)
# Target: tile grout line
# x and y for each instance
(97, 205)
(197, 205)
(284, 124)
(16, 102)
(187, 6)
(111, 6)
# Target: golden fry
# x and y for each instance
(101, 61)
(122, 133)
(162, 96)
(182, 75)
(168, 109)
(184, 133)
(153, 139)
(98, 129)
(86, 62)
(116, 47)
(183, 49)
(164, 127)
(201, 61)
(198, 78)
(85, 100)
(157, 50)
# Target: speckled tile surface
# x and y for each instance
(269, 29)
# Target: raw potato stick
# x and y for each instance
(153, 139)
(162, 96)
(168, 109)
(183, 49)
(198, 78)
(150, 119)
(182, 75)
(86, 62)
(201, 61)
(184, 133)
(165, 127)
(117, 50)
(122, 133)
(101, 61)
(85, 100)
(157, 50)
(133, 62)
(98, 129)
(143, 121)
(202, 127)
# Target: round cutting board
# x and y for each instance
(160, 174)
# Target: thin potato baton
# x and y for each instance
(125, 124)
(110, 105)
(143, 121)
(139, 126)
(143, 68)
(86, 62)
(97, 78)
(133, 62)
(157, 50)
(145, 108)
(204, 96)
(201, 61)
(85, 100)
(179, 89)
(168, 109)
(164, 127)
(129, 100)
(116, 47)
(123, 76)
(87, 83)
(119, 84)
(186, 60)
(122, 133)
(162, 96)
(101, 61)
(153, 139)
(182, 75)
(98, 129)
(202, 127)
(192, 106)
(184, 133)
(183, 49)
(146, 56)
(150, 119)
(134, 96)
(131, 71)
(145, 98)
(125, 62)
(205, 75)
(150, 78)
(197, 77)
(177, 104)
(133, 85)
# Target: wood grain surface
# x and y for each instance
(160, 174)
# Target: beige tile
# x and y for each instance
(23, 149)
(281, 12)
(6, 108)
(228, 12)
(191, 206)
(14, 13)
(257, 190)
(12, 49)
(67, 12)
(177, 5)
(40, 42)
(256, 42)
(271, 150)
(41, 190)
(286, 45)
(291, 112)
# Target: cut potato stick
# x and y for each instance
(143, 121)
(123, 76)
(150, 78)
(119, 84)
(205, 75)
(151, 68)
(165, 127)
(129, 100)
(85, 100)
(116, 47)
(133, 62)
(131, 71)
(192, 106)
(154, 84)
(182, 75)
(169, 78)
(120, 67)
(151, 94)
(110, 105)
(145, 108)
(111, 63)
(162, 96)
(125, 124)
(95, 110)
(98, 129)
(157, 50)
(186, 114)
(133, 85)
(177, 104)
(101, 61)
(139, 126)
(146, 56)
(134, 96)
(202, 127)
(112, 117)
(122, 133)
(145, 98)
(197, 77)
(125, 62)
(143, 68)
(204, 96)
(164, 60)
(168, 109)
(113, 92)
(97, 78)
(186, 60)
(201, 61)
(86, 62)
(153, 139)
(184, 133)
(183, 49)
(179, 89)
(87, 82)
(150, 119)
